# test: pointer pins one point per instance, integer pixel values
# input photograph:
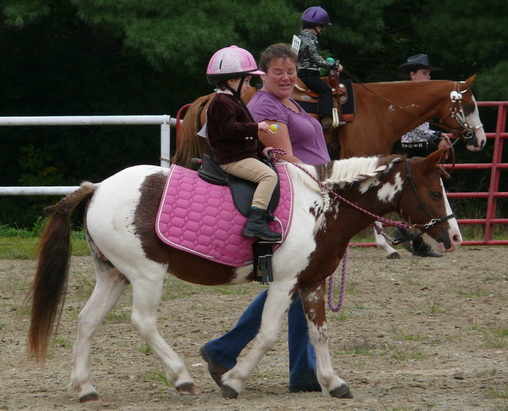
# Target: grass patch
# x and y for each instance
(83, 285)
(496, 339)
(62, 342)
(118, 317)
(413, 338)
(157, 377)
(436, 308)
(402, 354)
(495, 393)
(175, 289)
(476, 293)
(358, 347)
(24, 246)
(145, 349)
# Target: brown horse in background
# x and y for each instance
(383, 113)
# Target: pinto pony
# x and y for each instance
(332, 203)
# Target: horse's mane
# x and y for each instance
(355, 169)
(188, 146)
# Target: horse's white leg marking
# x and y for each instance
(324, 368)
(381, 241)
(146, 294)
(108, 287)
(276, 306)
(313, 303)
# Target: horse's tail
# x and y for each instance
(50, 281)
(188, 145)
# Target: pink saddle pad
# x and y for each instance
(201, 218)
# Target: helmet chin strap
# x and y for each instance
(238, 91)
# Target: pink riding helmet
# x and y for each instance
(231, 62)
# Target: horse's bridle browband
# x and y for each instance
(458, 114)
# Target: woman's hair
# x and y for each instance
(275, 51)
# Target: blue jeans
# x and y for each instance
(302, 357)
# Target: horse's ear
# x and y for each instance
(471, 80)
(433, 159)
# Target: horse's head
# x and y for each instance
(460, 115)
(424, 202)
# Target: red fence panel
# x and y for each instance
(493, 193)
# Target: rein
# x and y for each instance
(384, 220)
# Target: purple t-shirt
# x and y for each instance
(305, 131)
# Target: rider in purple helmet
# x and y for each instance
(314, 20)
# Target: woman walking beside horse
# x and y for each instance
(301, 137)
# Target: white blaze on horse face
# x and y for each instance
(473, 119)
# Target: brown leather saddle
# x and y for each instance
(342, 94)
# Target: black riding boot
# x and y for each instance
(422, 249)
(257, 226)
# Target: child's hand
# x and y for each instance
(268, 128)
(263, 126)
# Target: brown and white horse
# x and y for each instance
(383, 113)
(120, 228)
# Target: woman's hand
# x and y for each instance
(445, 143)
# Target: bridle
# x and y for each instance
(432, 220)
(465, 130)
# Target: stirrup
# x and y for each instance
(335, 117)
(263, 253)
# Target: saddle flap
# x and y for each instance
(211, 172)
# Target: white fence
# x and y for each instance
(165, 122)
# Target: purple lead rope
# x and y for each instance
(342, 286)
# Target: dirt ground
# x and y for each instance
(415, 333)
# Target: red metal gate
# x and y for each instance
(495, 167)
(493, 192)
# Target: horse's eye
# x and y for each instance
(436, 195)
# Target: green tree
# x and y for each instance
(147, 57)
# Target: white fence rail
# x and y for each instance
(165, 122)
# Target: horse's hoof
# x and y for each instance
(187, 388)
(228, 392)
(342, 391)
(393, 256)
(92, 396)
